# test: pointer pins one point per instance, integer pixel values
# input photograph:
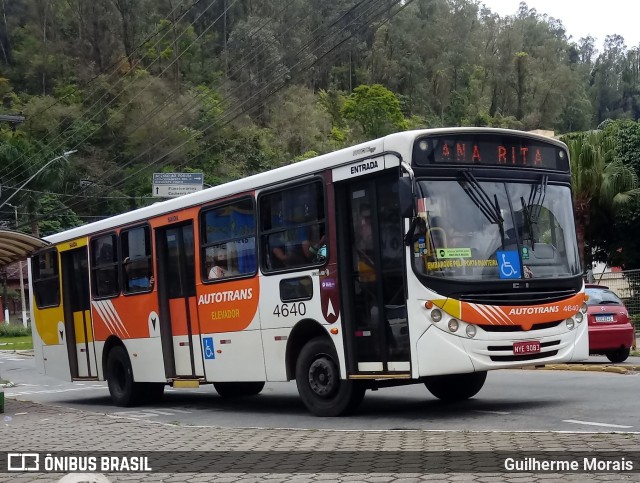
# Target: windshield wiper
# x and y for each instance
(532, 208)
(477, 194)
(536, 197)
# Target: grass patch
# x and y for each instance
(10, 330)
(16, 343)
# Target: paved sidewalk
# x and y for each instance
(29, 426)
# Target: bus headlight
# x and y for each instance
(584, 308)
(454, 325)
(569, 323)
(436, 315)
(471, 331)
(578, 317)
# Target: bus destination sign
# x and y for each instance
(494, 150)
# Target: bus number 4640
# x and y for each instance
(285, 310)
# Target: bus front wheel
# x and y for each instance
(455, 387)
(238, 389)
(319, 384)
(122, 387)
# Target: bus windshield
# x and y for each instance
(495, 230)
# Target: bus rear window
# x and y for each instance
(46, 280)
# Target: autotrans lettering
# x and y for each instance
(226, 296)
(368, 166)
(534, 310)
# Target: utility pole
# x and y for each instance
(23, 305)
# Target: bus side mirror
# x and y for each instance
(405, 197)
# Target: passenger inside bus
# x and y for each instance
(137, 278)
(364, 246)
(220, 264)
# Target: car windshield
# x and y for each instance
(601, 296)
(493, 230)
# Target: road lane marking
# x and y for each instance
(148, 413)
(501, 413)
(47, 391)
(592, 423)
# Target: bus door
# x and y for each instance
(372, 275)
(177, 301)
(78, 330)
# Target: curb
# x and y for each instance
(590, 368)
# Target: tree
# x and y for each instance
(600, 182)
(376, 109)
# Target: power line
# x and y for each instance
(184, 108)
(120, 80)
(372, 18)
(192, 104)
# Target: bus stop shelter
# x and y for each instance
(16, 246)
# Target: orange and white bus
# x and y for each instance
(429, 256)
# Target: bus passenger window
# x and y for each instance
(46, 282)
(293, 230)
(104, 267)
(135, 246)
(228, 241)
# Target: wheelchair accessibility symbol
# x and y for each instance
(207, 348)
(509, 264)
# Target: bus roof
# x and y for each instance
(401, 143)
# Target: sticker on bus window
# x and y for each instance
(454, 252)
(509, 264)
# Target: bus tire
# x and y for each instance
(122, 387)
(238, 389)
(319, 384)
(456, 387)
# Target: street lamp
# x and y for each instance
(64, 155)
(22, 299)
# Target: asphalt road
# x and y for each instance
(512, 400)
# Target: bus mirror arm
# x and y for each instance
(416, 223)
(407, 192)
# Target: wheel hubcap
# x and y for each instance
(323, 379)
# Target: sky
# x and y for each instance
(580, 18)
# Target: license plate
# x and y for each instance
(527, 347)
(604, 318)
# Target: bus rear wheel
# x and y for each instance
(319, 384)
(122, 387)
(455, 387)
(238, 389)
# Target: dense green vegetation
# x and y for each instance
(234, 87)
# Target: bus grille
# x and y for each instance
(517, 297)
(517, 328)
(523, 358)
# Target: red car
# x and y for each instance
(610, 331)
